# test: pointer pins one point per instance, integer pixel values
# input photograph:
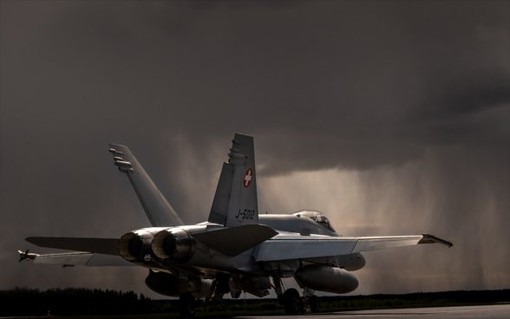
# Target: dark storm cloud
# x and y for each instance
(362, 86)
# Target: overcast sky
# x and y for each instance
(391, 117)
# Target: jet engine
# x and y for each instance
(136, 246)
(326, 278)
(172, 285)
(174, 244)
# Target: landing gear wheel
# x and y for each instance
(314, 304)
(187, 305)
(292, 303)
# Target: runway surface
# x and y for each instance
(470, 312)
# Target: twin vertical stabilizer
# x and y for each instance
(235, 201)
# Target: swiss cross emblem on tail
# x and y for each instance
(248, 176)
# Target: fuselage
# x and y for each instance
(146, 247)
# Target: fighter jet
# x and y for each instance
(236, 250)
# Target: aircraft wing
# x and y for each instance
(105, 246)
(74, 259)
(384, 242)
(287, 247)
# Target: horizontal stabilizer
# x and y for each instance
(234, 240)
(106, 246)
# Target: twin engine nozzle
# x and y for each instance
(153, 244)
(175, 244)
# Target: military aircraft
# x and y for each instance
(235, 250)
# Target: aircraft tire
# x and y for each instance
(314, 304)
(187, 305)
(292, 303)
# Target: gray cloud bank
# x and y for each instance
(412, 97)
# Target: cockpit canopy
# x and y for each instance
(317, 217)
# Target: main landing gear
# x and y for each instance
(313, 302)
(187, 305)
(292, 303)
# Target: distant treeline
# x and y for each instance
(88, 302)
(72, 301)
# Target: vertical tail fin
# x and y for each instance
(235, 202)
(157, 208)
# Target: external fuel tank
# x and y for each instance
(326, 278)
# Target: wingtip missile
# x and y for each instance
(23, 255)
